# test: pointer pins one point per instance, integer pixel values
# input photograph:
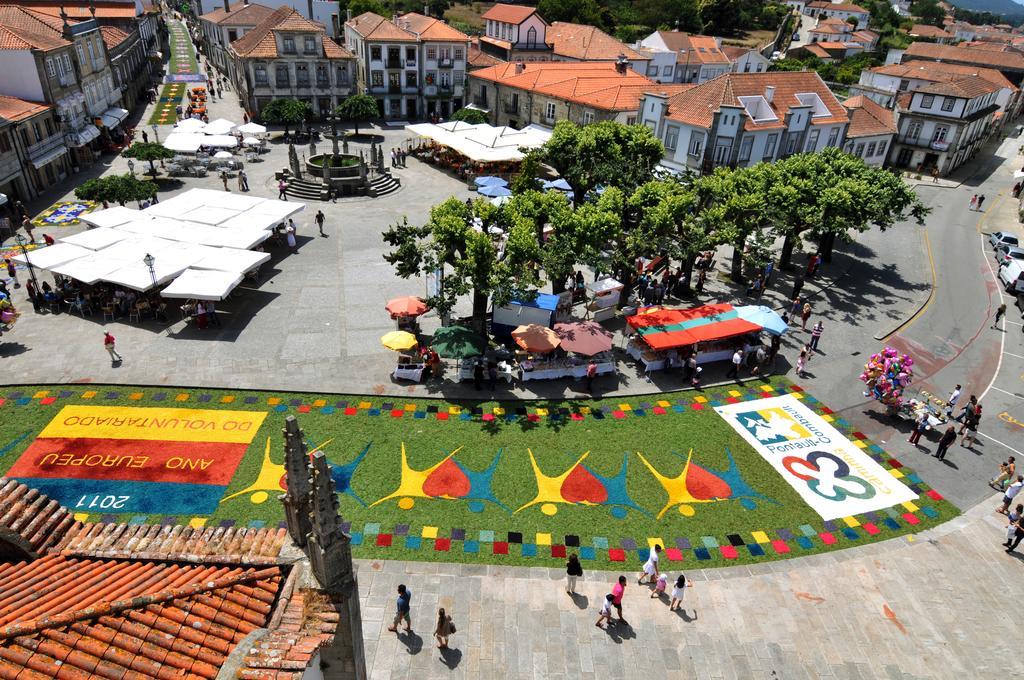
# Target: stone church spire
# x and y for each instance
(296, 497)
(328, 547)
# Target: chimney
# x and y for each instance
(520, 67)
(769, 93)
(622, 64)
(348, 15)
(394, 19)
(227, 8)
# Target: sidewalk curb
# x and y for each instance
(924, 303)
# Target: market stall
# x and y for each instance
(478, 149)
(605, 295)
(540, 310)
(410, 366)
(202, 284)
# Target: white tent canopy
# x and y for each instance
(220, 141)
(202, 284)
(482, 142)
(190, 125)
(221, 126)
(251, 129)
(95, 239)
(233, 260)
(185, 142)
(44, 258)
(111, 217)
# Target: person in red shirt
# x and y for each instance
(618, 590)
(109, 345)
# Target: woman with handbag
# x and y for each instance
(445, 627)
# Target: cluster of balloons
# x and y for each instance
(886, 375)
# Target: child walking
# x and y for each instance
(678, 591)
(606, 610)
(660, 586)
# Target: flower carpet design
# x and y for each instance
(515, 483)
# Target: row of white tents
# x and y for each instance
(199, 241)
(192, 133)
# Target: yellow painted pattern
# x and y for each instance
(153, 424)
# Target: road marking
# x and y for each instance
(931, 294)
(1011, 354)
(1000, 197)
(1000, 443)
(1002, 336)
(1015, 323)
(1015, 396)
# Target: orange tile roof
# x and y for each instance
(40, 521)
(375, 27)
(698, 105)
(112, 36)
(308, 622)
(702, 48)
(868, 119)
(80, 10)
(429, 28)
(261, 41)
(928, 31)
(239, 14)
(734, 52)
(837, 6)
(509, 14)
(1013, 61)
(961, 86)
(816, 49)
(594, 84)
(22, 29)
(833, 22)
(586, 43)
(935, 71)
(478, 59)
(67, 617)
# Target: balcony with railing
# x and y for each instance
(44, 150)
(934, 143)
(282, 83)
(394, 62)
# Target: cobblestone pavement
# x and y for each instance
(935, 605)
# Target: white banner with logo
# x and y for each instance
(830, 473)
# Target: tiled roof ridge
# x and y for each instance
(35, 626)
(33, 516)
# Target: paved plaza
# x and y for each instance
(939, 604)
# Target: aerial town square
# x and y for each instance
(592, 339)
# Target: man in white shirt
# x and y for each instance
(737, 361)
(1011, 492)
(953, 398)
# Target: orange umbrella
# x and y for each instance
(535, 338)
(406, 306)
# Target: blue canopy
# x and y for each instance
(559, 184)
(490, 180)
(764, 317)
(545, 301)
(494, 191)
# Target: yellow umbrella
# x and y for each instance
(399, 340)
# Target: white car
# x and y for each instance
(1005, 254)
(1002, 238)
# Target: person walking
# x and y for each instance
(243, 181)
(737, 361)
(618, 590)
(773, 350)
(402, 609)
(109, 344)
(659, 586)
(282, 188)
(573, 571)
(320, 221)
(816, 332)
(974, 202)
(1006, 471)
(650, 569)
(805, 314)
(492, 375)
(967, 411)
(971, 427)
(606, 610)
(1000, 313)
(948, 437)
(12, 271)
(1018, 533)
(145, 137)
(478, 375)
(591, 374)
(131, 167)
(224, 179)
(26, 224)
(445, 627)
(289, 234)
(920, 426)
(801, 362)
(981, 199)
(812, 264)
(954, 397)
(796, 307)
(678, 591)
(403, 156)
(1010, 494)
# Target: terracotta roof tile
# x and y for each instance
(81, 10)
(697, 106)
(586, 43)
(261, 42)
(868, 118)
(928, 31)
(375, 27)
(837, 7)
(239, 14)
(961, 86)
(701, 48)
(509, 14)
(113, 36)
(429, 28)
(22, 28)
(935, 71)
(595, 84)
(40, 521)
(1013, 61)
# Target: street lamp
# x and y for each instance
(156, 132)
(22, 242)
(148, 260)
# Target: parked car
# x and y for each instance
(1006, 253)
(1011, 275)
(1002, 238)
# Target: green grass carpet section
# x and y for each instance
(391, 520)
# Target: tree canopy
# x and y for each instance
(115, 189)
(473, 116)
(358, 108)
(286, 112)
(148, 151)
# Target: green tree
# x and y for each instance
(358, 7)
(467, 259)
(286, 112)
(115, 189)
(575, 11)
(148, 151)
(929, 12)
(527, 180)
(605, 153)
(358, 108)
(472, 116)
(720, 17)
(732, 204)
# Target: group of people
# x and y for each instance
(398, 157)
(650, 573)
(969, 417)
